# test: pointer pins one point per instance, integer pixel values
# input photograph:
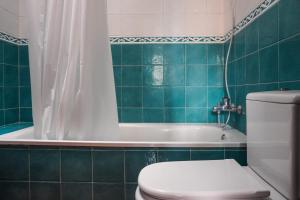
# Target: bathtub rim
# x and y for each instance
(127, 144)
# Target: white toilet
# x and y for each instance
(273, 172)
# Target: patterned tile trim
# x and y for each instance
(185, 39)
(200, 39)
(12, 39)
(251, 17)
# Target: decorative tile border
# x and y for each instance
(251, 17)
(138, 40)
(12, 39)
(185, 39)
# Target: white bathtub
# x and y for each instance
(144, 135)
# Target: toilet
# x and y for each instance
(273, 144)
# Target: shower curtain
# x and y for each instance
(72, 85)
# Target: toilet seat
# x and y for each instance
(194, 180)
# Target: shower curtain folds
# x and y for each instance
(72, 84)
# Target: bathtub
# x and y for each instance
(144, 135)
(108, 167)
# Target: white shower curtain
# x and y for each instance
(72, 85)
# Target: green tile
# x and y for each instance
(76, 166)
(196, 97)
(251, 37)
(164, 156)
(174, 97)
(1, 75)
(25, 97)
(290, 85)
(44, 165)
(11, 97)
(207, 155)
(239, 45)
(252, 68)
(174, 75)
(215, 75)
(174, 53)
(289, 16)
(196, 115)
(11, 115)
(241, 123)
(78, 191)
(215, 95)
(44, 191)
(269, 87)
(268, 27)
(240, 71)
(10, 53)
(119, 96)
(196, 75)
(269, 64)
(289, 62)
(14, 190)
(153, 115)
(108, 166)
(153, 97)
(239, 156)
(132, 115)
(116, 54)
(1, 52)
(196, 54)
(132, 96)
(131, 54)
(130, 191)
(26, 115)
(152, 54)
(1, 118)
(153, 75)
(107, 191)
(11, 75)
(215, 54)
(135, 161)
(231, 73)
(14, 164)
(176, 115)
(241, 96)
(118, 76)
(24, 76)
(23, 55)
(132, 76)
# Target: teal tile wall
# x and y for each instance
(41, 172)
(265, 55)
(15, 95)
(168, 82)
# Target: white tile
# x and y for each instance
(174, 6)
(10, 5)
(23, 27)
(141, 25)
(195, 6)
(114, 25)
(9, 23)
(214, 6)
(141, 6)
(174, 25)
(113, 6)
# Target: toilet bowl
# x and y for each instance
(193, 180)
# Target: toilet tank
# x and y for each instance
(273, 132)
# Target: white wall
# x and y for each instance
(165, 17)
(9, 22)
(148, 17)
(241, 7)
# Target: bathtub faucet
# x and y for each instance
(226, 106)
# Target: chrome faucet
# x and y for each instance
(226, 106)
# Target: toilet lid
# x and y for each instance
(192, 180)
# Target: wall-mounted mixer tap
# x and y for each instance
(226, 106)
